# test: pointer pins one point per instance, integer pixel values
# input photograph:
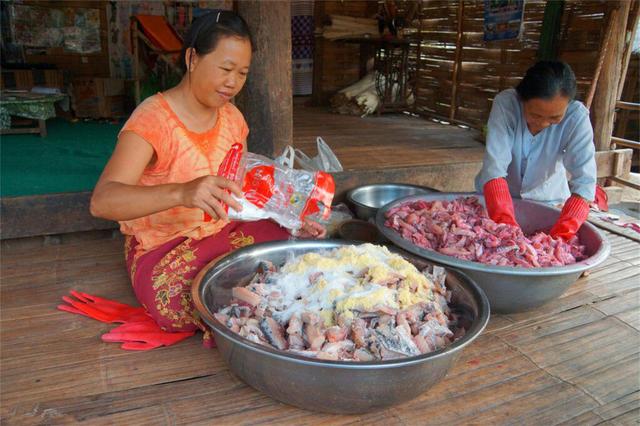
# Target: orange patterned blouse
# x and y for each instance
(182, 155)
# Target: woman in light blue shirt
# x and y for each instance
(540, 147)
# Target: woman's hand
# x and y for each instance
(209, 192)
(311, 229)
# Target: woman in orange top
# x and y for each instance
(161, 177)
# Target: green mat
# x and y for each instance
(69, 159)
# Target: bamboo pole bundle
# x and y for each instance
(349, 27)
(361, 98)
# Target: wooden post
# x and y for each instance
(42, 127)
(603, 109)
(267, 98)
(551, 24)
(456, 62)
(604, 45)
(628, 74)
(632, 27)
(317, 97)
(136, 61)
(414, 107)
(625, 115)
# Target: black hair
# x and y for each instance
(546, 79)
(207, 30)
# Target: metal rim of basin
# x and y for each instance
(364, 211)
(220, 329)
(595, 259)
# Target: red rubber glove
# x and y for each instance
(573, 215)
(601, 200)
(498, 201)
(144, 335)
(104, 310)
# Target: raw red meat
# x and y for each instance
(462, 229)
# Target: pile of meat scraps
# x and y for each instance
(462, 229)
(355, 303)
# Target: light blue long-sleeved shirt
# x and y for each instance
(536, 166)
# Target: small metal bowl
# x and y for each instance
(366, 200)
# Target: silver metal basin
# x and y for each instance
(512, 289)
(366, 200)
(327, 386)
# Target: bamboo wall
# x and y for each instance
(336, 64)
(456, 66)
(486, 68)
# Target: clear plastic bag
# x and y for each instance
(326, 160)
(275, 191)
(287, 158)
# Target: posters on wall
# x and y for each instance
(503, 19)
(77, 30)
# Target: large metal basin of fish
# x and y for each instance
(320, 385)
(511, 289)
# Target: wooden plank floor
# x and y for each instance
(574, 361)
(386, 141)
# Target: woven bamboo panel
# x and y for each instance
(336, 63)
(486, 68)
(483, 68)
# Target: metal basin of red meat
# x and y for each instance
(324, 385)
(510, 289)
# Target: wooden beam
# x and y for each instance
(20, 130)
(631, 106)
(613, 163)
(606, 93)
(621, 164)
(64, 212)
(625, 142)
(267, 98)
(457, 177)
(625, 182)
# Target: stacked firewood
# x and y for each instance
(340, 26)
